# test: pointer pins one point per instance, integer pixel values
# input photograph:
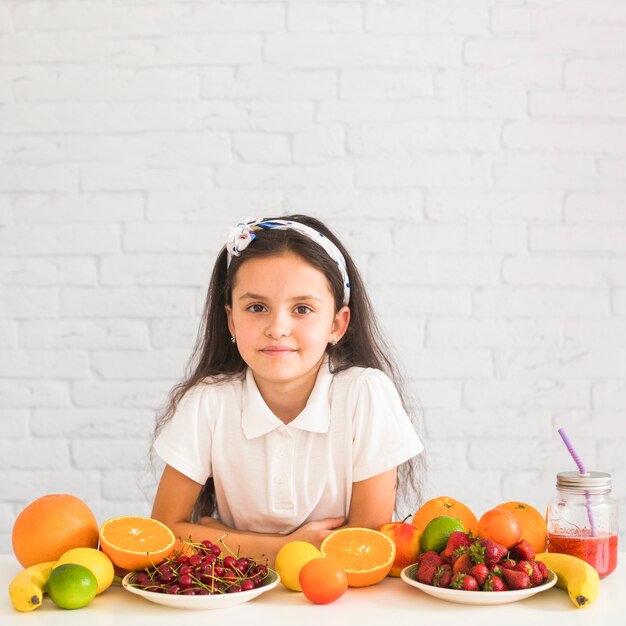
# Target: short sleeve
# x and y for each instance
(383, 435)
(184, 443)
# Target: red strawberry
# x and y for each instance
(522, 551)
(516, 579)
(508, 563)
(487, 551)
(536, 578)
(443, 576)
(480, 572)
(495, 583)
(542, 568)
(496, 570)
(427, 568)
(464, 582)
(426, 556)
(532, 569)
(456, 541)
(462, 564)
(426, 573)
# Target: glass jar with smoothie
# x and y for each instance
(582, 519)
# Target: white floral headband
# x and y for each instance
(239, 238)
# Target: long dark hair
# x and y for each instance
(215, 357)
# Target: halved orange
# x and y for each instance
(136, 542)
(366, 555)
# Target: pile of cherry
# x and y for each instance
(481, 565)
(202, 570)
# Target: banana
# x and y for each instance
(27, 588)
(579, 578)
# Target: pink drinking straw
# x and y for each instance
(582, 472)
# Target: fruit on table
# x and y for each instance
(407, 539)
(580, 579)
(445, 505)
(291, 558)
(71, 586)
(522, 550)
(200, 569)
(500, 526)
(487, 551)
(477, 564)
(94, 560)
(27, 588)
(438, 530)
(323, 580)
(465, 582)
(456, 541)
(136, 542)
(534, 528)
(366, 555)
(51, 525)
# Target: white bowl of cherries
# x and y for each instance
(202, 576)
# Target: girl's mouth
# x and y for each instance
(277, 350)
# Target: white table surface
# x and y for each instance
(390, 601)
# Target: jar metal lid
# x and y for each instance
(592, 482)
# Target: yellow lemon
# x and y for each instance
(291, 558)
(95, 561)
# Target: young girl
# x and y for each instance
(286, 426)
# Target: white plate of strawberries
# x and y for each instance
(479, 571)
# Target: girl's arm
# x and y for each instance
(373, 500)
(173, 505)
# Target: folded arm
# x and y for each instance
(371, 505)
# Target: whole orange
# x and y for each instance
(534, 528)
(52, 525)
(323, 580)
(445, 505)
(500, 526)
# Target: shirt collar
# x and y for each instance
(257, 419)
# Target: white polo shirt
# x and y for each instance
(273, 477)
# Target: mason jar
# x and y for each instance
(582, 519)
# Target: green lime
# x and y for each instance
(71, 586)
(438, 530)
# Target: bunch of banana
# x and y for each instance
(579, 578)
(27, 588)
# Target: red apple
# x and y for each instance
(407, 540)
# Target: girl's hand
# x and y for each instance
(315, 532)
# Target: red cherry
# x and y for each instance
(185, 581)
(184, 570)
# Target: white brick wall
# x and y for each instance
(471, 153)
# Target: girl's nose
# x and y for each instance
(277, 325)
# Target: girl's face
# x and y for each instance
(283, 317)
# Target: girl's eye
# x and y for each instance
(256, 308)
(303, 309)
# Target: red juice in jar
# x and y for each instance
(582, 520)
(599, 551)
